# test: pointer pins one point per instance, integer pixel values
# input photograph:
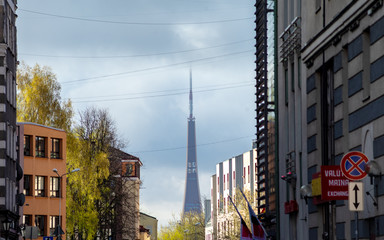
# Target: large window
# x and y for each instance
(27, 185)
(40, 146)
(27, 145)
(40, 223)
(55, 153)
(54, 187)
(40, 186)
(53, 223)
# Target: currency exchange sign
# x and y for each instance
(334, 185)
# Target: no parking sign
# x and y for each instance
(353, 165)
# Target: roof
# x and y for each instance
(117, 153)
(40, 125)
(141, 213)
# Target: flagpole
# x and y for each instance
(234, 206)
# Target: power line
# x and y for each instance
(197, 145)
(134, 23)
(168, 90)
(152, 68)
(133, 56)
(160, 95)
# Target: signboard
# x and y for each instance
(355, 190)
(316, 184)
(334, 186)
(353, 165)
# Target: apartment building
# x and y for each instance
(10, 170)
(125, 171)
(232, 174)
(342, 50)
(291, 106)
(332, 90)
(44, 181)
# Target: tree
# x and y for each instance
(231, 218)
(39, 100)
(88, 145)
(119, 205)
(94, 135)
(190, 226)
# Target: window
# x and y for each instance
(27, 185)
(27, 145)
(249, 174)
(40, 223)
(40, 186)
(27, 220)
(54, 186)
(40, 146)
(55, 153)
(53, 223)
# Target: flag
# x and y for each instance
(258, 230)
(245, 233)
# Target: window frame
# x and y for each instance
(28, 145)
(40, 192)
(56, 148)
(28, 191)
(40, 148)
(53, 223)
(41, 225)
(29, 218)
(53, 192)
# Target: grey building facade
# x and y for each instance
(331, 90)
(10, 170)
(292, 164)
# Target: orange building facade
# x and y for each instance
(44, 150)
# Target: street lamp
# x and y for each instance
(196, 224)
(60, 177)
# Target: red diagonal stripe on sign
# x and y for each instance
(355, 165)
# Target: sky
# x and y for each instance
(133, 57)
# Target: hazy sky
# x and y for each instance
(133, 57)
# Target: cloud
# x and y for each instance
(155, 127)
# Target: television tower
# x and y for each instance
(192, 201)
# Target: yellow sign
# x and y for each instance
(316, 186)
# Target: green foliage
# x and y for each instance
(190, 226)
(38, 98)
(88, 151)
(39, 101)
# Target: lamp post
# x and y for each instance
(60, 196)
(186, 233)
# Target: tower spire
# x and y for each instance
(192, 202)
(190, 95)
